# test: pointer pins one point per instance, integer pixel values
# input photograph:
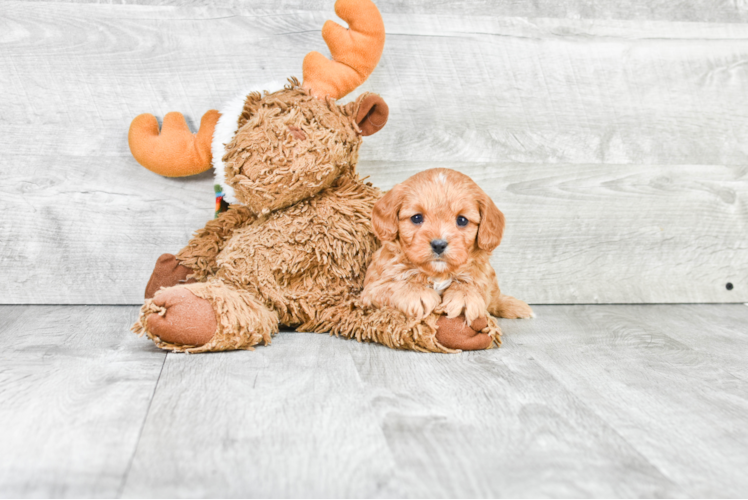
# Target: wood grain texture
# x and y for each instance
(312, 416)
(592, 233)
(585, 401)
(560, 91)
(681, 407)
(613, 135)
(725, 11)
(75, 386)
(80, 236)
(620, 234)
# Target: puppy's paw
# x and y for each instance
(459, 302)
(417, 302)
(511, 308)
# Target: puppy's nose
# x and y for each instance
(438, 246)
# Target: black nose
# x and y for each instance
(438, 246)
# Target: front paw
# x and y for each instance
(459, 303)
(416, 303)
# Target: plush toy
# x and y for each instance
(293, 246)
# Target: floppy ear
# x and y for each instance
(384, 217)
(372, 113)
(491, 227)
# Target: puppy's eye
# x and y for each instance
(416, 219)
(462, 221)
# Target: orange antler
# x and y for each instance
(176, 152)
(355, 51)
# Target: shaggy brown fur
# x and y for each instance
(295, 251)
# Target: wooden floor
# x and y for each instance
(622, 401)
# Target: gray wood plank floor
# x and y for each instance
(621, 401)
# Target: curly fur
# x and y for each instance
(296, 248)
(408, 274)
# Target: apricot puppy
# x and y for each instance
(438, 229)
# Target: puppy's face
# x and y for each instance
(440, 218)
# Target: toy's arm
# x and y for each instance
(200, 253)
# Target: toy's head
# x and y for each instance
(290, 144)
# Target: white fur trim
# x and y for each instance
(225, 130)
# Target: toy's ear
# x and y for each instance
(384, 217)
(372, 113)
(491, 227)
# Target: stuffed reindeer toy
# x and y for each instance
(293, 247)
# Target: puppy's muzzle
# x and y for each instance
(438, 246)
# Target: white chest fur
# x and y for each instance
(441, 285)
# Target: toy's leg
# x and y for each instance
(210, 316)
(506, 306)
(455, 334)
(168, 272)
(392, 328)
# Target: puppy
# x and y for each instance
(438, 229)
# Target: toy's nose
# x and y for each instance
(438, 246)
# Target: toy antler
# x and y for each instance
(355, 51)
(176, 152)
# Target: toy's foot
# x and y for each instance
(509, 307)
(455, 334)
(186, 319)
(168, 272)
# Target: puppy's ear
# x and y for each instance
(491, 227)
(384, 217)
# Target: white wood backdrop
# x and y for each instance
(614, 135)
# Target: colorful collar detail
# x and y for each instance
(221, 205)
